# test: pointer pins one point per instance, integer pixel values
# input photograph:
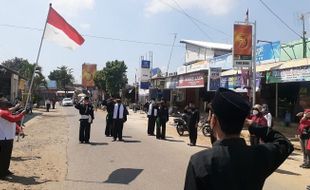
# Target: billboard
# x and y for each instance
(242, 48)
(145, 74)
(88, 72)
(193, 80)
(288, 75)
(269, 52)
(214, 78)
(51, 84)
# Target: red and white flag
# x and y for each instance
(59, 31)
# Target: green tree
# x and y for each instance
(63, 77)
(115, 75)
(100, 79)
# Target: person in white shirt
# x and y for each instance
(48, 105)
(120, 113)
(7, 134)
(267, 115)
(152, 115)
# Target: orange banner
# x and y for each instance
(88, 72)
(243, 42)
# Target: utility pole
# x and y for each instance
(175, 37)
(304, 39)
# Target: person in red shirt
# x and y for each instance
(258, 118)
(7, 134)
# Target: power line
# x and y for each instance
(281, 20)
(197, 20)
(192, 20)
(95, 36)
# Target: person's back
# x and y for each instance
(230, 163)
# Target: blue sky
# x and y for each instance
(137, 20)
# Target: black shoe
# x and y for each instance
(121, 140)
(302, 165)
(87, 142)
(8, 173)
(306, 166)
(81, 142)
(113, 140)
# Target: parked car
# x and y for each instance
(67, 102)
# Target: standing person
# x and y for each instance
(193, 120)
(109, 119)
(163, 118)
(86, 111)
(303, 130)
(53, 103)
(7, 134)
(151, 114)
(120, 113)
(231, 163)
(47, 104)
(257, 117)
(267, 115)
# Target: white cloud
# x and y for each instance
(73, 7)
(215, 7)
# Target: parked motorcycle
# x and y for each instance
(205, 128)
(180, 123)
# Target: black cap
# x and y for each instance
(230, 107)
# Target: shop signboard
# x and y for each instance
(242, 47)
(145, 74)
(236, 82)
(223, 61)
(267, 53)
(288, 75)
(88, 72)
(193, 80)
(144, 85)
(181, 70)
(214, 78)
(199, 66)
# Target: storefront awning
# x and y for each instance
(273, 66)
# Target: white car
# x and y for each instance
(67, 102)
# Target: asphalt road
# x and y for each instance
(142, 162)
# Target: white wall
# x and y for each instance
(194, 53)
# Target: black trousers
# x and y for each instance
(192, 134)
(161, 130)
(84, 130)
(118, 125)
(48, 106)
(151, 125)
(109, 126)
(6, 147)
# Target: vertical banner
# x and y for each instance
(242, 49)
(214, 78)
(88, 72)
(145, 75)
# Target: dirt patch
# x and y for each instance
(41, 156)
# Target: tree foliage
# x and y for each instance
(100, 79)
(63, 76)
(113, 77)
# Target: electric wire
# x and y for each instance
(278, 17)
(197, 20)
(95, 36)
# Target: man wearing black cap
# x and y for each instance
(230, 163)
(86, 111)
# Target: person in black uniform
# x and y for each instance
(163, 117)
(230, 163)
(193, 120)
(87, 116)
(119, 117)
(152, 115)
(109, 119)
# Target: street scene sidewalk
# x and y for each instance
(50, 157)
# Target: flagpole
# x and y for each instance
(36, 63)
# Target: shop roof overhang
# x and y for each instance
(219, 46)
(273, 66)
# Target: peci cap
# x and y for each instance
(230, 108)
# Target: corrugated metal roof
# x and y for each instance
(273, 66)
(208, 44)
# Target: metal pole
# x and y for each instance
(175, 36)
(37, 60)
(254, 64)
(304, 44)
(277, 100)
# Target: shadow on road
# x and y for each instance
(98, 143)
(127, 137)
(28, 117)
(286, 172)
(131, 141)
(19, 158)
(173, 140)
(25, 180)
(123, 175)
